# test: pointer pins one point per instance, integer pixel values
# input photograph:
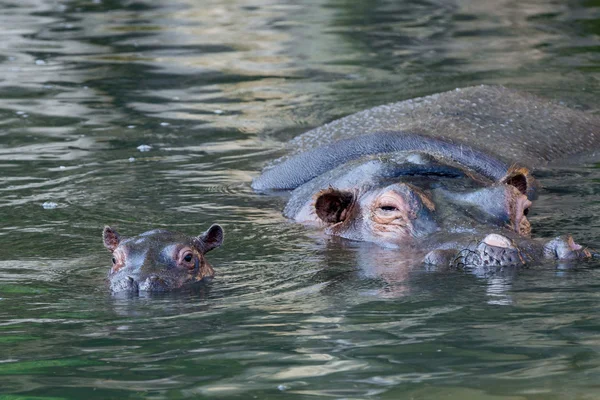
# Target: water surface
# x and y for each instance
(215, 88)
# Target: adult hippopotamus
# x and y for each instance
(449, 176)
(159, 260)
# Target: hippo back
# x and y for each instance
(486, 128)
(511, 125)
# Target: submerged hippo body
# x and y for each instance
(159, 260)
(449, 175)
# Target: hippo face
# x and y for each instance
(420, 204)
(401, 201)
(159, 260)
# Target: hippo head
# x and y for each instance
(417, 202)
(159, 260)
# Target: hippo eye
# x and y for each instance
(388, 208)
(114, 260)
(188, 258)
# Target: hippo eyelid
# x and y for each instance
(391, 201)
(185, 257)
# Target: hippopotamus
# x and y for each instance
(449, 176)
(159, 260)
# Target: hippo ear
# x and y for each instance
(521, 178)
(332, 205)
(211, 239)
(111, 238)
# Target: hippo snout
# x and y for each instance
(493, 251)
(496, 250)
(154, 283)
(125, 284)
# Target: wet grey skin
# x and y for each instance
(159, 260)
(448, 176)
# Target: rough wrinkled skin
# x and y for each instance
(447, 176)
(159, 260)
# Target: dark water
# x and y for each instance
(215, 87)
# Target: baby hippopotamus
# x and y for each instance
(159, 260)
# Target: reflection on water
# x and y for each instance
(215, 88)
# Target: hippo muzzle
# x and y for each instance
(150, 284)
(497, 250)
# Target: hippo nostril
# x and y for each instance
(130, 279)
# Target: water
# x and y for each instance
(215, 88)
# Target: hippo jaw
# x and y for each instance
(159, 260)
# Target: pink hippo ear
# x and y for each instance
(211, 239)
(111, 238)
(332, 205)
(521, 178)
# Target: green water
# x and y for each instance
(216, 87)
